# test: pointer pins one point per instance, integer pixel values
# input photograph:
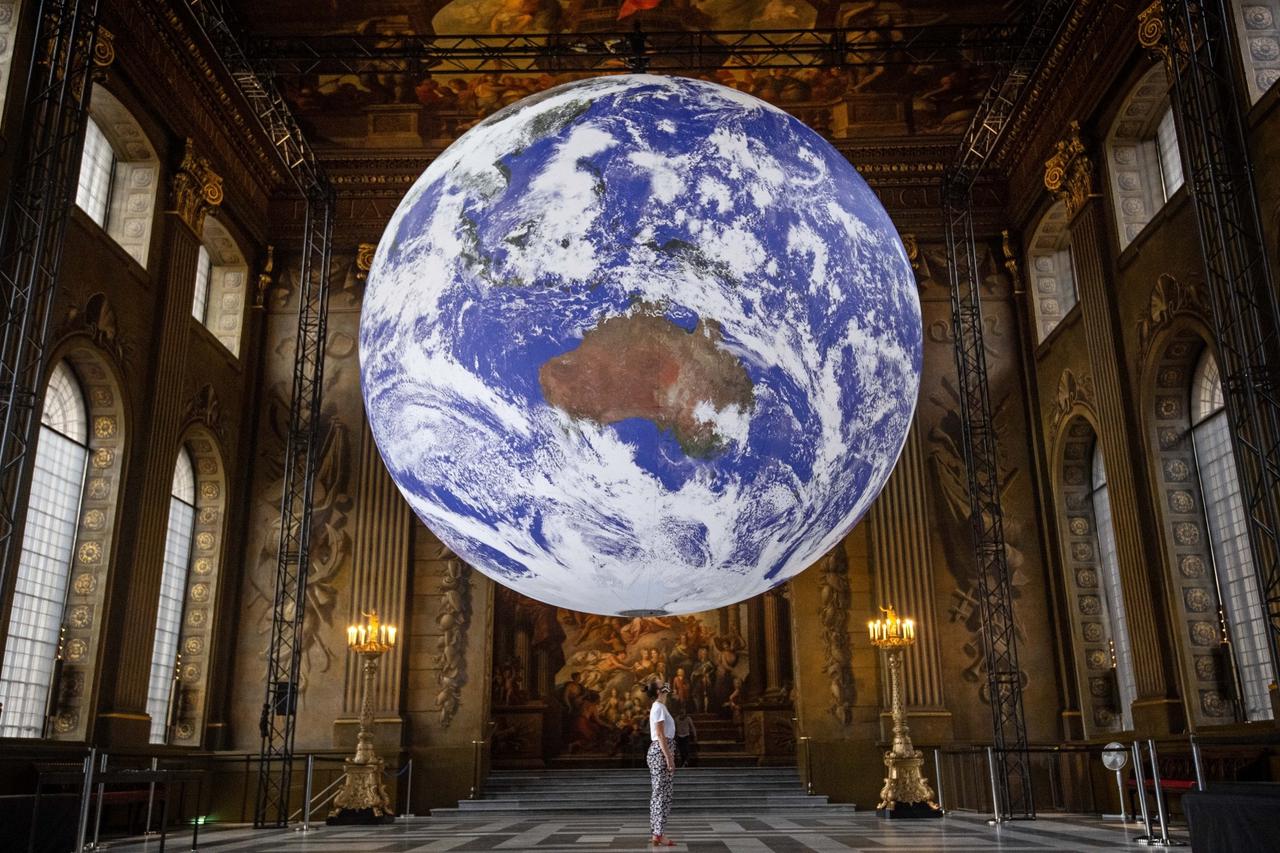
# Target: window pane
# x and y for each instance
(64, 406)
(204, 268)
(1206, 389)
(1233, 561)
(173, 582)
(1112, 591)
(97, 162)
(1170, 159)
(44, 566)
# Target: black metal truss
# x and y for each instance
(686, 50)
(284, 654)
(54, 111)
(1013, 794)
(1200, 55)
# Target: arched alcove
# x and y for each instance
(1098, 651)
(83, 612)
(1144, 166)
(207, 558)
(127, 170)
(1197, 574)
(1053, 286)
(221, 285)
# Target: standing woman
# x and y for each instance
(661, 759)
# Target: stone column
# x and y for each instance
(379, 571)
(195, 191)
(903, 568)
(775, 634)
(1069, 174)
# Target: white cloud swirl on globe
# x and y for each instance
(619, 197)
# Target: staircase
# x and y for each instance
(698, 790)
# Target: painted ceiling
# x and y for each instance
(401, 110)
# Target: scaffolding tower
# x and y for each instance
(1196, 40)
(55, 108)
(1011, 773)
(284, 654)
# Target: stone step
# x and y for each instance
(485, 808)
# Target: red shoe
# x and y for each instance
(662, 841)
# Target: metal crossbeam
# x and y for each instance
(284, 654)
(704, 50)
(1013, 790)
(1200, 55)
(55, 108)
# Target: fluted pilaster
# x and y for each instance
(903, 569)
(379, 571)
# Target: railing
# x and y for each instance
(1078, 782)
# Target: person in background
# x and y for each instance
(686, 737)
(661, 760)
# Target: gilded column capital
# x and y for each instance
(364, 259)
(104, 48)
(1151, 29)
(195, 189)
(1068, 174)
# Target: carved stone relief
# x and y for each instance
(453, 620)
(834, 614)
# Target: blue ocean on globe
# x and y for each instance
(640, 344)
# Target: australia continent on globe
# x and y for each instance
(640, 344)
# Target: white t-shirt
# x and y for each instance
(659, 714)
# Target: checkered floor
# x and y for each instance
(730, 834)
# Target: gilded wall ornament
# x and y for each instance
(195, 189)
(1170, 298)
(1073, 391)
(1068, 174)
(265, 277)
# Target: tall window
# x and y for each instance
(48, 542)
(1170, 156)
(1112, 590)
(1229, 538)
(173, 584)
(1053, 281)
(204, 271)
(97, 169)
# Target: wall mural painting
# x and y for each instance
(589, 670)
(331, 543)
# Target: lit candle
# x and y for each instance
(351, 635)
(392, 635)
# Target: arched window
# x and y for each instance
(31, 649)
(1144, 163)
(1112, 592)
(1258, 32)
(1053, 282)
(119, 174)
(1229, 538)
(221, 276)
(173, 586)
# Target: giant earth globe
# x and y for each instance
(640, 345)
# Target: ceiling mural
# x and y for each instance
(425, 109)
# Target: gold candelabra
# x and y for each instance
(363, 798)
(905, 792)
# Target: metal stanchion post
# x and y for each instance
(1120, 793)
(408, 790)
(306, 794)
(151, 797)
(1198, 760)
(995, 791)
(97, 812)
(937, 777)
(1140, 781)
(475, 777)
(86, 794)
(1164, 817)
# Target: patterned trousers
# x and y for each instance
(660, 799)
